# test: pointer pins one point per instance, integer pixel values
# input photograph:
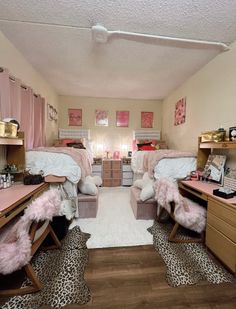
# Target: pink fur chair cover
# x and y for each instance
(187, 213)
(15, 245)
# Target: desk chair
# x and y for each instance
(25, 237)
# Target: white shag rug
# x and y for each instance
(115, 224)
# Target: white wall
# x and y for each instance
(211, 102)
(19, 67)
(113, 137)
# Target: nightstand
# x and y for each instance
(97, 167)
(127, 173)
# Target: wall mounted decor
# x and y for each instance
(146, 119)
(75, 117)
(122, 118)
(52, 113)
(101, 118)
(180, 111)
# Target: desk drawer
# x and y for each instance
(223, 227)
(222, 211)
(222, 247)
(106, 164)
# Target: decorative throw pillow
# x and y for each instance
(147, 192)
(86, 187)
(97, 180)
(138, 183)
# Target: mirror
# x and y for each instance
(214, 167)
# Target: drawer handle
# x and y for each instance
(224, 145)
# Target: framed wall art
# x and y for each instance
(75, 117)
(122, 119)
(180, 112)
(146, 119)
(101, 118)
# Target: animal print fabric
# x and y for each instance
(62, 274)
(187, 263)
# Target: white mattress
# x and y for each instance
(50, 163)
(175, 168)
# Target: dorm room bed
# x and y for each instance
(162, 162)
(64, 166)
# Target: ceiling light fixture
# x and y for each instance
(100, 34)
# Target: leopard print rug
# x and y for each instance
(62, 274)
(187, 263)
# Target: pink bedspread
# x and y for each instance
(80, 156)
(151, 158)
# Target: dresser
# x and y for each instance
(221, 220)
(111, 173)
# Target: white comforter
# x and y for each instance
(58, 164)
(172, 168)
(51, 163)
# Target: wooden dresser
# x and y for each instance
(221, 220)
(111, 173)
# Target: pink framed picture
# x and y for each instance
(146, 119)
(101, 118)
(75, 117)
(180, 112)
(122, 118)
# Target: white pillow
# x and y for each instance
(87, 188)
(97, 180)
(146, 179)
(138, 183)
(147, 192)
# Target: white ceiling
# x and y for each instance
(55, 37)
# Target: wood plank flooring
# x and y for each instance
(134, 277)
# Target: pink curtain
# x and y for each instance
(15, 99)
(19, 102)
(27, 116)
(5, 109)
(38, 121)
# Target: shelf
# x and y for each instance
(11, 141)
(219, 145)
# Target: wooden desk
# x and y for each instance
(221, 220)
(15, 199)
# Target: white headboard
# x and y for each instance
(74, 134)
(147, 134)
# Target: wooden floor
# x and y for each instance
(134, 277)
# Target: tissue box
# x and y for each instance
(223, 194)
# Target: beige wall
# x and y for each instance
(112, 137)
(211, 102)
(18, 66)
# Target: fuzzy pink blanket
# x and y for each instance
(151, 158)
(187, 213)
(80, 156)
(15, 245)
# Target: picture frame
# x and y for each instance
(180, 112)
(214, 168)
(232, 134)
(101, 118)
(147, 119)
(75, 116)
(122, 119)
